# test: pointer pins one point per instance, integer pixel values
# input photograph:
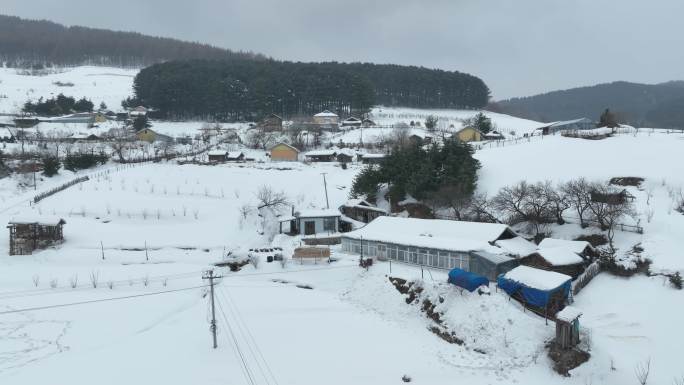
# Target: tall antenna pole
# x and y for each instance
(325, 186)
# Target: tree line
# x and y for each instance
(59, 105)
(249, 90)
(39, 43)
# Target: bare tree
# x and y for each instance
(261, 138)
(481, 209)
(120, 142)
(270, 198)
(400, 135)
(642, 370)
(557, 200)
(526, 203)
(577, 193)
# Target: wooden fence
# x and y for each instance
(583, 280)
(55, 190)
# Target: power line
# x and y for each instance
(98, 300)
(236, 347)
(241, 320)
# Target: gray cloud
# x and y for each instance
(519, 47)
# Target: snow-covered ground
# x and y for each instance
(99, 84)
(505, 124)
(161, 225)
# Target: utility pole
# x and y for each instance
(325, 186)
(210, 276)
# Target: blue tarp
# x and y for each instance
(467, 280)
(536, 297)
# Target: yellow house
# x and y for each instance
(147, 135)
(283, 152)
(469, 134)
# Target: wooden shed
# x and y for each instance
(568, 327)
(558, 259)
(272, 122)
(283, 152)
(31, 233)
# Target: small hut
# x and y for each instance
(31, 233)
(567, 327)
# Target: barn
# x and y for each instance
(28, 233)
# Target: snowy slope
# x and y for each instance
(99, 84)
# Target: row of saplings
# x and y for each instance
(72, 162)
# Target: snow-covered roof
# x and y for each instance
(217, 153)
(493, 257)
(318, 213)
(569, 314)
(235, 154)
(560, 256)
(567, 122)
(537, 278)
(346, 151)
(574, 246)
(352, 119)
(373, 156)
(363, 204)
(517, 246)
(283, 144)
(432, 233)
(321, 153)
(38, 219)
(326, 113)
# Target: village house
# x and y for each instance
(30, 233)
(362, 211)
(150, 136)
(283, 152)
(558, 259)
(582, 248)
(217, 156)
(352, 122)
(321, 156)
(372, 158)
(312, 221)
(494, 135)
(368, 123)
(327, 120)
(469, 134)
(235, 156)
(435, 243)
(137, 111)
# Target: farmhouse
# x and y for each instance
(326, 119)
(558, 259)
(362, 211)
(493, 135)
(283, 152)
(30, 233)
(137, 111)
(541, 290)
(436, 243)
(312, 221)
(469, 134)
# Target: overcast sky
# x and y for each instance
(518, 47)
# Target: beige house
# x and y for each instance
(326, 118)
(147, 135)
(283, 152)
(469, 134)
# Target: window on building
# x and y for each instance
(329, 224)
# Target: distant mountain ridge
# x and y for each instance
(25, 43)
(645, 105)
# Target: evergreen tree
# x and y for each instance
(481, 122)
(431, 123)
(51, 165)
(140, 122)
(608, 119)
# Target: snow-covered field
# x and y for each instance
(159, 226)
(99, 84)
